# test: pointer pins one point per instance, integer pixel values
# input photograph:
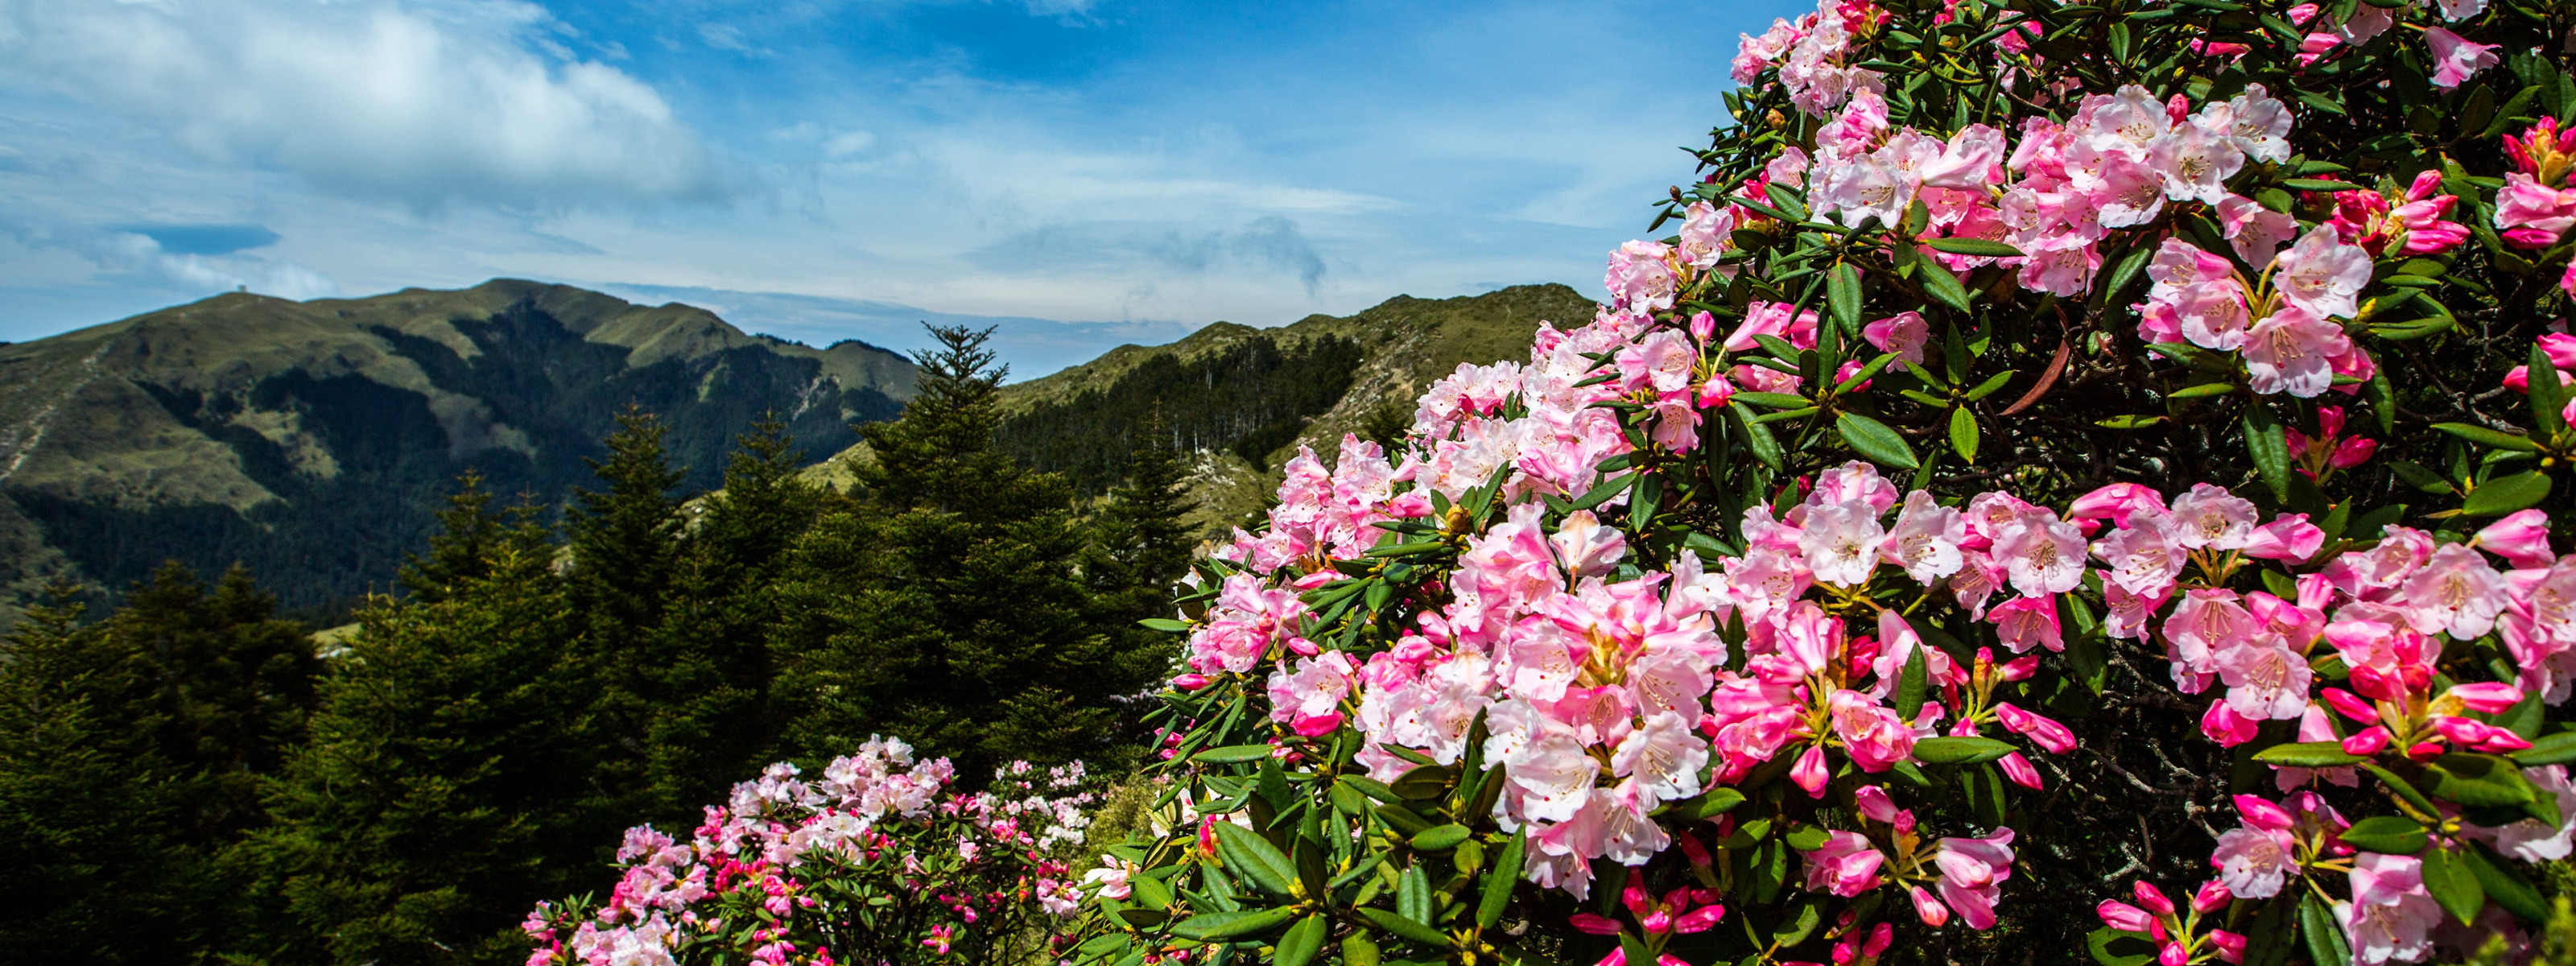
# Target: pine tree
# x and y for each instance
(947, 606)
(131, 757)
(447, 785)
(712, 718)
(462, 549)
(625, 539)
(1142, 531)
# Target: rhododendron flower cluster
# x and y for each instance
(880, 860)
(2108, 400)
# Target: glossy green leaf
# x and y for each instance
(1979, 247)
(1404, 927)
(1963, 434)
(2114, 947)
(2488, 437)
(2307, 754)
(2317, 925)
(1911, 686)
(1302, 941)
(2388, 834)
(2475, 780)
(1496, 894)
(2453, 885)
(1359, 950)
(1212, 926)
(2505, 494)
(1959, 750)
(1941, 285)
(1165, 624)
(2264, 442)
(1425, 782)
(1842, 295)
(1253, 859)
(1439, 838)
(1873, 439)
(1233, 754)
(2550, 749)
(2503, 883)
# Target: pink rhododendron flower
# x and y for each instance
(2455, 59)
(1847, 865)
(2531, 214)
(2322, 275)
(1902, 334)
(1972, 873)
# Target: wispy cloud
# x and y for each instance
(425, 104)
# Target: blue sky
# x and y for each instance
(1079, 172)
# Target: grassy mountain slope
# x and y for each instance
(1243, 399)
(312, 439)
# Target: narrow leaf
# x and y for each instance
(1875, 440)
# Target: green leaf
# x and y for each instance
(1797, 924)
(1992, 383)
(1872, 439)
(1959, 750)
(1979, 247)
(1302, 942)
(2319, 184)
(1212, 926)
(2476, 781)
(1404, 927)
(1150, 891)
(2488, 437)
(1940, 284)
(1232, 754)
(1439, 838)
(2310, 754)
(1963, 436)
(2129, 422)
(1370, 787)
(1165, 624)
(2264, 442)
(1501, 880)
(2505, 494)
(2387, 834)
(1842, 295)
(2325, 937)
(1425, 782)
(1911, 686)
(2453, 884)
(2551, 749)
(1358, 949)
(2115, 947)
(1773, 400)
(1254, 859)
(2204, 389)
(1757, 438)
(1413, 894)
(2504, 884)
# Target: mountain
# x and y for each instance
(312, 440)
(1243, 399)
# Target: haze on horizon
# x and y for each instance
(1082, 172)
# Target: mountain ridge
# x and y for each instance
(253, 408)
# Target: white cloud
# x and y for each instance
(140, 254)
(424, 104)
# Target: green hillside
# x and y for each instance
(1243, 398)
(311, 440)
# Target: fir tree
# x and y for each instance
(446, 786)
(711, 671)
(625, 538)
(946, 606)
(1142, 533)
(462, 549)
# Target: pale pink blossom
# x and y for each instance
(2265, 680)
(2293, 351)
(1847, 865)
(1874, 735)
(2456, 592)
(1902, 334)
(2254, 863)
(2455, 59)
(2323, 275)
(2042, 554)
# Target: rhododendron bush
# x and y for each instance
(880, 861)
(2078, 478)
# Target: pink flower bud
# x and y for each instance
(2501, 741)
(2352, 452)
(2047, 733)
(1704, 325)
(1846, 949)
(2123, 916)
(2369, 741)
(1879, 939)
(1656, 923)
(1302, 646)
(1635, 897)
(2262, 814)
(2351, 705)
(2231, 946)
(2018, 669)
(1810, 772)
(2152, 898)
(1929, 909)
(2489, 696)
(2522, 537)
(1596, 925)
(2463, 731)
(2213, 896)
(1701, 919)
(2019, 770)
(2223, 725)
(2173, 955)
(1697, 853)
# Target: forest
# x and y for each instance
(183, 779)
